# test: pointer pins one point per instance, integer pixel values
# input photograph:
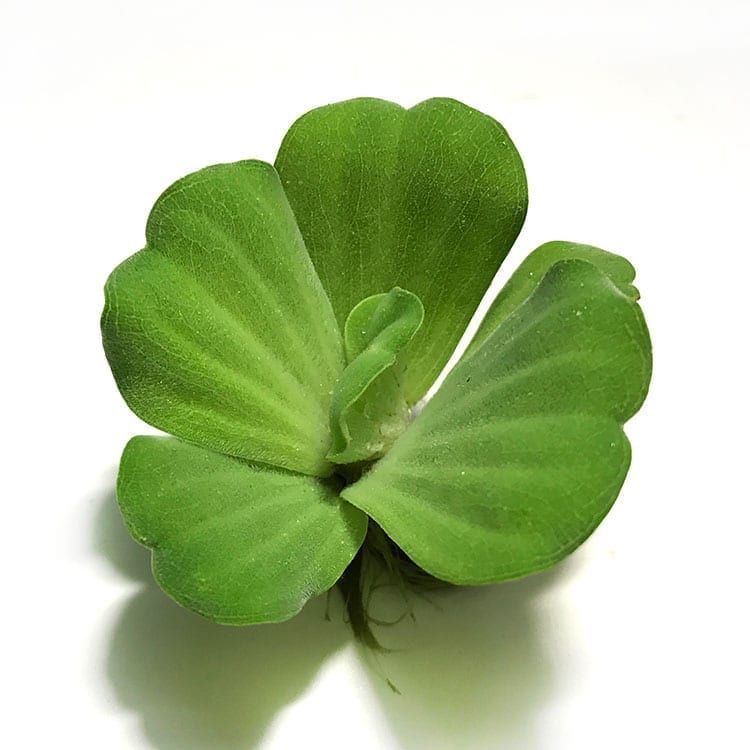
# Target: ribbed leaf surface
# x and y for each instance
(235, 542)
(219, 331)
(429, 199)
(521, 453)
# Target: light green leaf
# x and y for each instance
(368, 409)
(526, 277)
(235, 542)
(521, 452)
(429, 199)
(219, 331)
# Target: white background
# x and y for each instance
(633, 119)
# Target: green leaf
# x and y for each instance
(234, 542)
(219, 331)
(368, 409)
(521, 452)
(429, 199)
(526, 277)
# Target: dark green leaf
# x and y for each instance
(429, 199)
(526, 277)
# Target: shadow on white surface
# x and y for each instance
(111, 540)
(472, 670)
(197, 685)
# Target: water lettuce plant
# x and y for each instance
(282, 322)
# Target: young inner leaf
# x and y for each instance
(368, 408)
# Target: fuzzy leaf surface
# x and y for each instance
(236, 542)
(219, 331)
(521, 453)
(429, 199)
(528, 275)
